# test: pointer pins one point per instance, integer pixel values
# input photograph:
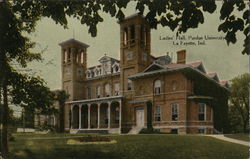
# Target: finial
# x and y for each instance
(167, 53)
(105, 54)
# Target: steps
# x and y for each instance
(135, 130)
(114, 131)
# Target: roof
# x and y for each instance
(70, 41)
(131, 16)
(214, 76)
(172, 67)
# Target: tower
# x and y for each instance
(74, 65)
(135, 50)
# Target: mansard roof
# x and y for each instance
(107, 58)
(73, 41)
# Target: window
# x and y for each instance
(89, 92)
(174, 112)
(142, 33)
(201, 131)
(132, 33)
(157, 87)
(117, 89)
(202, 111)
(125, 36)
(65, 56)
(144, 56)
(174, 84)
(116, 68)
(174, 131)
(68, 56)
(107, 90)
(158, 113)
(98, 91)
(117, 115)
(129, 84)
(129, 55)
(92, 74)
(82, 58)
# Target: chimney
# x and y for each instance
(181, 57)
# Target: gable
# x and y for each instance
(153, 67)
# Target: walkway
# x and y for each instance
(222, 137)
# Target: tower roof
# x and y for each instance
(131, 17)
(73, 41)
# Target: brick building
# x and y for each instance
(139, 90)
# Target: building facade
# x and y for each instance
(138, 90)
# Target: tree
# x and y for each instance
(61, 97)
(20, 17)
(239, 98)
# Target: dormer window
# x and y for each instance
(92, 74)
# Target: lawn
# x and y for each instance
(243, 137)
(127, 147)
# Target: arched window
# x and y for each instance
(157, 87)
(129, 84)
(107, 90)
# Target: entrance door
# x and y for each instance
(140, 118)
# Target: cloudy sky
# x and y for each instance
(216, 55)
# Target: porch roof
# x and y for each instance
(96, 100)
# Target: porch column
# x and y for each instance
(120, 115)
(71, 120)
(98, 121)
(80, 116)
(88, 116)
(109, 113)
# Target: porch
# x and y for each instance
(101, 115)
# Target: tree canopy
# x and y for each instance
(179, 15)
(239, 99)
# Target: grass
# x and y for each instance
(243, 137)
(160, 146)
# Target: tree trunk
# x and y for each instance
(61, 118)
(5, 149)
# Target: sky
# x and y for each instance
(216, 55)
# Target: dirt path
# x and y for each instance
(222, 137)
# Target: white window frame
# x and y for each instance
(117, 89)
(157, 86)
(129, 85)
(107, 90)
(158, 114)
(172, 111)
(205, 111)
(98, 91)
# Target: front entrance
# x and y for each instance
(140, 117)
